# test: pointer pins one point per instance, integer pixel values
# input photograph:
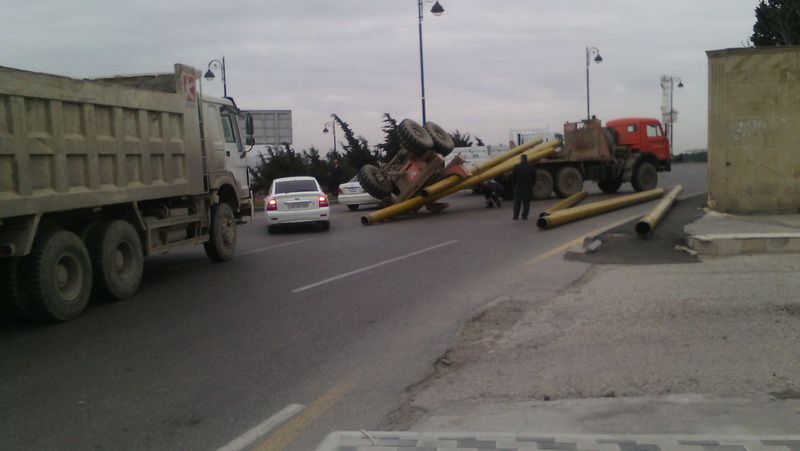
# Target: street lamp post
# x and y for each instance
(217, 64)
(333, 128)
(437, 10)
(671, 117)
(597, 59)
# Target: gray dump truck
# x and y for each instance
(97, 174)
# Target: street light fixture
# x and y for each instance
(333, 127)
(597, 59)
(217, 64)
(671, 117)
(437, 10)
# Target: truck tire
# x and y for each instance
(644, 177)
(56, 277)
(10, 294)
(414, 137)
(568, 181)
(221, 243)
(543, 186)
(443, 143)
(609, 186)
(117, 261)
(373, 181)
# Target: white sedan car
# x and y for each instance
(352, 194)
(294, 200)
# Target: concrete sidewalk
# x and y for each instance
(719, 417)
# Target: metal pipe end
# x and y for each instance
(542, 222)
(643, 228)
(365, 220)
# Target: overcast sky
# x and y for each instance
(490, 65)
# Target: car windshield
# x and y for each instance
(354, 179)
(294, 186)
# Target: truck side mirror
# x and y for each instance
(248, 125)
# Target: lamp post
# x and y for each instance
(669, 115)
(333, 127)
(597, 59)
(437, 10)
(217, 64)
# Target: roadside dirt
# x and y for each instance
(722, 326)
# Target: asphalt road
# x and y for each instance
(304, 332)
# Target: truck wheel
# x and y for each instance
(374, 182)
(443, 143)
(645, 176)
(609, 186)
(221, 243)
(57, 277)
(10, 295)
(568, 181)
(543, 186)
(117, 261)
(414, 137)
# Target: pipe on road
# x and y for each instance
(648, 222)
(585, 211)
(566, 203)
(538, 152)
(479, 168)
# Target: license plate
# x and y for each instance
(294, 205)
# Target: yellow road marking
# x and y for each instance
(301, 421)
(579, 240)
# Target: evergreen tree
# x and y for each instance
(283, 162)
(391, 145)
(777, 23)
(356, 150)
(461, 140)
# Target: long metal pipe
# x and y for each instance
(566, 203)
(648, 222)
(585, 211)
(538, 152)
(479, 168)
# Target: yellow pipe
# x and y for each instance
(479, 168)
(566, 203)
(585, 211)
(648, 222)
(414, 203)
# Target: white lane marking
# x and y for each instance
(263, 429)
(367, 268)
(275, 247)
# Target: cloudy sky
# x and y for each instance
(491, 66)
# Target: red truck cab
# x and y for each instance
(645, 136)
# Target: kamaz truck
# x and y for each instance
(97, 174)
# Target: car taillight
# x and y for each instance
(323, 201)
(272, 205)
(341, 191)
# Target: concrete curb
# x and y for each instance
(745, 243)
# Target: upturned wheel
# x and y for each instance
(568, 181)
(544, 184)
(443, 143)
(414, 137)
(374, 181)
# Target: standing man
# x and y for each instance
(523, 177)
(336, 174)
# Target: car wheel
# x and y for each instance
(352, 207)
(272, 229)
(326, 225)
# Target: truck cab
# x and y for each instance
(644, 136)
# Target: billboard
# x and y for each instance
(271, 127)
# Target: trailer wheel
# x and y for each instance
(443, 143)
(117, 261)
(609, 186)
(568, 181)
(544, 184)
(414, 137)
(57, 277)
(221, 243)
(374, 182)
(645, 176)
